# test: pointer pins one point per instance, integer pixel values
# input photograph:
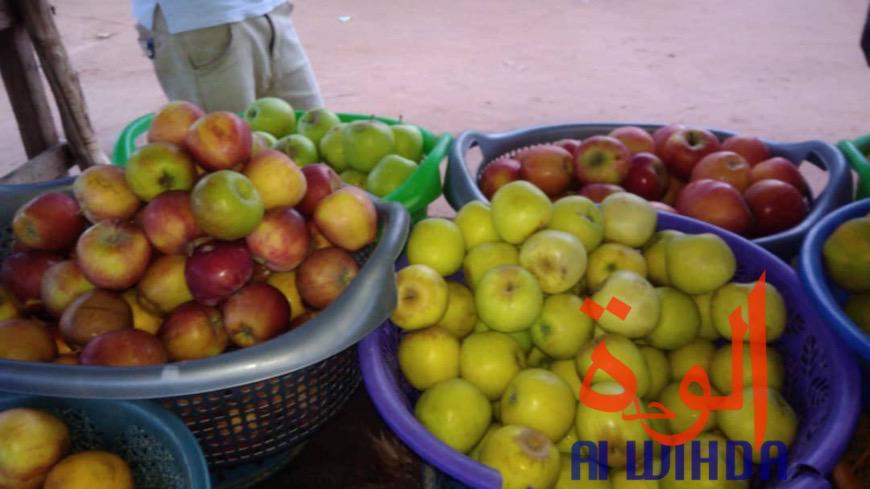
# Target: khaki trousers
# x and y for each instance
(228, 66)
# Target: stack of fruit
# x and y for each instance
(366, 153)
(193, 248)
(35, 454)
(500, 349)
(847, 261)
(735, 185)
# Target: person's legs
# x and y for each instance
(292, 76)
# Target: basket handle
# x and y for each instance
(459, 186)
(859, 163)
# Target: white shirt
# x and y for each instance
(187, 15)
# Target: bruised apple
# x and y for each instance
(103, 193)
(94, 313)
(219, 141)
(124, 348)
(324, 275)
(217, 269)
(61, 284)
(51, 221)
(113, 254)
(172, 121)
(255, 313)
(347, 217)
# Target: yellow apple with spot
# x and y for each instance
(557, 259)
(456, 412)
(579, 216)
(437, 243)
(475, 223)
(562, 328)
(519, 209)
(485, 257)
(508, 298)
(422, 297)
(490, 360)
(428, 356)
(539, 399)
(612, 257)
(524, 457)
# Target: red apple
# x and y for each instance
(193, 331)
(124, 348)
(324, 275)
(281, 239)
(348, 218)
(172, 121)
(61, 284)
(717, 203)
(685, 148)
(103, 193)
(661, 135)
(776, 205)
(596, 192)
(22, 274)
(749, 147)
(113, 254)
(725, 166)
(547, 166)
(321, 180)
(675, 186)
(219, 141)
(663, 207)
(498, 173)
(647, 176)
(635, 139)
(93, 313)
(51, 221)
(217, 269)
(779, 168)
(255, 314)
(168, 222)
(601, 159)
(570, 145)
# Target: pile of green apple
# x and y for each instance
(195, 247)
(366, 153)
(494, 336)
(846, 256)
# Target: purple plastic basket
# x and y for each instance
(822, 378)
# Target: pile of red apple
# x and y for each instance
(734, 184)
(193, 248)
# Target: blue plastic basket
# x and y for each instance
(460, 186)
(160, 450)
(821, 378)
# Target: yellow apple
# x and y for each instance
(486, 256)
(609, 258)
(539, 399)
(456, 412)
(437, 243)
(659, 371)
(475, 452)
(679, 320)
(721, 369)
(475, 223)
(623, 350)
(519, 209)
(429, 356)
(461, 316)
(707, 330)
(31, 442)
(579, 216)
(557, 259)
(562, 328)
(610, 427)
(523, 457)
(739, 424)
(628, 219)
(523, 337)
(734, 295)
(279, 181)
(537, 359)
(163, 287)
(656, 258)
(685, 416)
(422, 297)
(699, 263)
(490, 361)
(285, 282)
(90, 469)
(567, 442)
(698, 352)
(143, 319)
(567, 371)
(508, 298)
(635, 292)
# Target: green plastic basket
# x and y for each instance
(418, 191)
(855, 152)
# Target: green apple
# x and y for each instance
(679, 320)
(519, 209)
(226, 205)
(523, 457)
(579, 216)
(567, 442)
(684, 416)
(508, 298)
(422, 297)
(272, 115)
(609, 258)
(704, 481)
(389, 174)
(456, 412)
(699, 263)
(315, 123)
(635, 292)
(566, 481)
(523, 338)
(437, 243)
(537, 359)
(567, 371)
(159, 167)
(698, 352)
(659, 371)
(628, 219)
(721, 369)
(365, 143)
(846, 253)
(299, 148)
(460, 316)
(331, 148)
(353, 177)
(739, 424)
(480, 327)
(622, 349)
(655, 256)
(610, 427)
(562, 328)
(728, 298)
(475, 452)
(707, 330)
(490, 361)
(409, 141)
(428, 356)
(485, 257)
(475, 222)
(539, 399)
(557, 259)
(261, 141)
